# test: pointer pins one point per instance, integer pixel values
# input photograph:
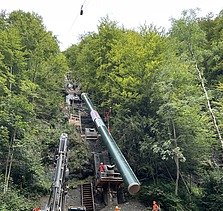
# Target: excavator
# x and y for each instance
(57, 198)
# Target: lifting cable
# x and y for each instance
(81, 12)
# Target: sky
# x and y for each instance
(63, 18)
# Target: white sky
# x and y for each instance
(63, 19)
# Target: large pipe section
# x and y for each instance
(120, 161)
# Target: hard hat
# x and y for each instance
(117, 208)
(101, 163)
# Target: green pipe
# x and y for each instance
(120, 161)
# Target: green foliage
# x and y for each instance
(13, 200)
(212, 63)
(79, 151)
(150, 81)
(30, 171)
(163, 194)
(32, 70)
(213, 190)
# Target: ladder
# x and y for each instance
(87, 196)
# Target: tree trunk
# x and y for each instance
(9, 163)
(10, 84)
(209, 106)
(176, 159)
(9, 172)
(201, 78)
(6, 169)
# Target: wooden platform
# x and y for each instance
(114, 179)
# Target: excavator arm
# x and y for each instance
(56, 200)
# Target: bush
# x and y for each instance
(163, 193)
(12, 200)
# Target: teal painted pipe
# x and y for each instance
(120, 161)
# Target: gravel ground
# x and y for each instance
(128, 206)
(131, 205)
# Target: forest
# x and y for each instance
(164, 88)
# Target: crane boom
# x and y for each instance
(56, 200)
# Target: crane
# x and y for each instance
(56, 200)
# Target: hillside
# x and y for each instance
(160, 94)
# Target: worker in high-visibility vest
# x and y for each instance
(156, 207)
(101, 167)
(36, 209)
(117, 208)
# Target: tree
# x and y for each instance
(44, 61)
(191, 39)
(31, 77)
(152, 82)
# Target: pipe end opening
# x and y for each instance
(133, 188)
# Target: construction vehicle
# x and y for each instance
(57, 199)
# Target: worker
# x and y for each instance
(37, 209)
(155, 206)
(101, 167)
(117, 208)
